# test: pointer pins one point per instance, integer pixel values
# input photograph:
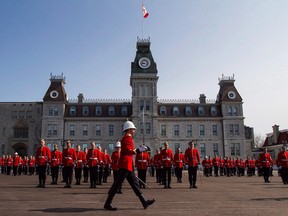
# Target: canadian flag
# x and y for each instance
(145, 12)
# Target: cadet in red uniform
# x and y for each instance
(179, 160)
(26, 165)
(68, 159)
(56, 160)
(1, 164)
(43, 157)
(193, 159)
(100, 166)
(92, 159)
(125, 165)
(80, 159)
(216, 164)
(266, 163)
(32, 162)
(249, 165)
(107, 164)
(221, 166)
(85, 167)
(167, 158)
(228, 166)
(206, 165)
(16, 161)
(9, 164)
(158, 165)
(114, 162)
(282, 163)
(142, 163)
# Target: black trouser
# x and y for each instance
(115, 176)
(158, 175)
(178, 173)
(100, 175)
(68, 174)
(142, 176)
(85, 173)
(167, 176)
(54, 174)
(78, 174)
(121, 176)
(42, 174)
(105, 173)
(284, 174)
(192, 175)
(8, 170)
(93, 175)
(15, 170)
(216, 170)
(266, 173)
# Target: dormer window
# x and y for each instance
(234, 111)
(124, 111)
(201, 111)
(213, 111)
(73, 111)
(176, 111)
(188, 111)
(111, 110)
(162, 110)
(85, 111)
(98, 111)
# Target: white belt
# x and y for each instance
(284, 160)
(179, 161)
(93, 158)
(79, 160)
(41, 157)
(54, 159)
(68, 158)
(167, 159)
(142, 160)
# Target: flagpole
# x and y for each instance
(142, 18)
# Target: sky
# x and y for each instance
(194, 42)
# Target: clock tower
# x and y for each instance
(143, 81)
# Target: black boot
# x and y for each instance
(145, 202)
(108, 204)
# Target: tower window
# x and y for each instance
(162, 110)
(98, 111)
(201, 111)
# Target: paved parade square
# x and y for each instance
(214, 196)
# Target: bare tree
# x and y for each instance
(258, 140)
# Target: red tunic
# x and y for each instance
(92, 157)
(127, 153)
(43, 155)
(80, 159)
(56, 158)
(142, 160)
(179, 160)
(106, 160)
(16, 161)
(282, 159)
(114, 158)
(265, 160)
(167, 157)
(192, 157)
(68, 157)
(216, 161)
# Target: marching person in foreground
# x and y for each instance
(125, 166)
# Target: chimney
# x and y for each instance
(275, 133)
(202, 98)
(80, 98)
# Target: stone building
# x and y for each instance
(217, 125)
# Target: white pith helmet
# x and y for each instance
(128, 125)
(118, 144)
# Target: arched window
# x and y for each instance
(176, 111)
(124, 110)
(73, 110)
(98, 111)
(85, 111)
(188, 111)
(213, 111)
(201, 111)
(234, 111)
(229, 110)
(111, 110)
(162, 110)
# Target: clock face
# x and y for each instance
(144, 63)
(231, 94)
(54, 94)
